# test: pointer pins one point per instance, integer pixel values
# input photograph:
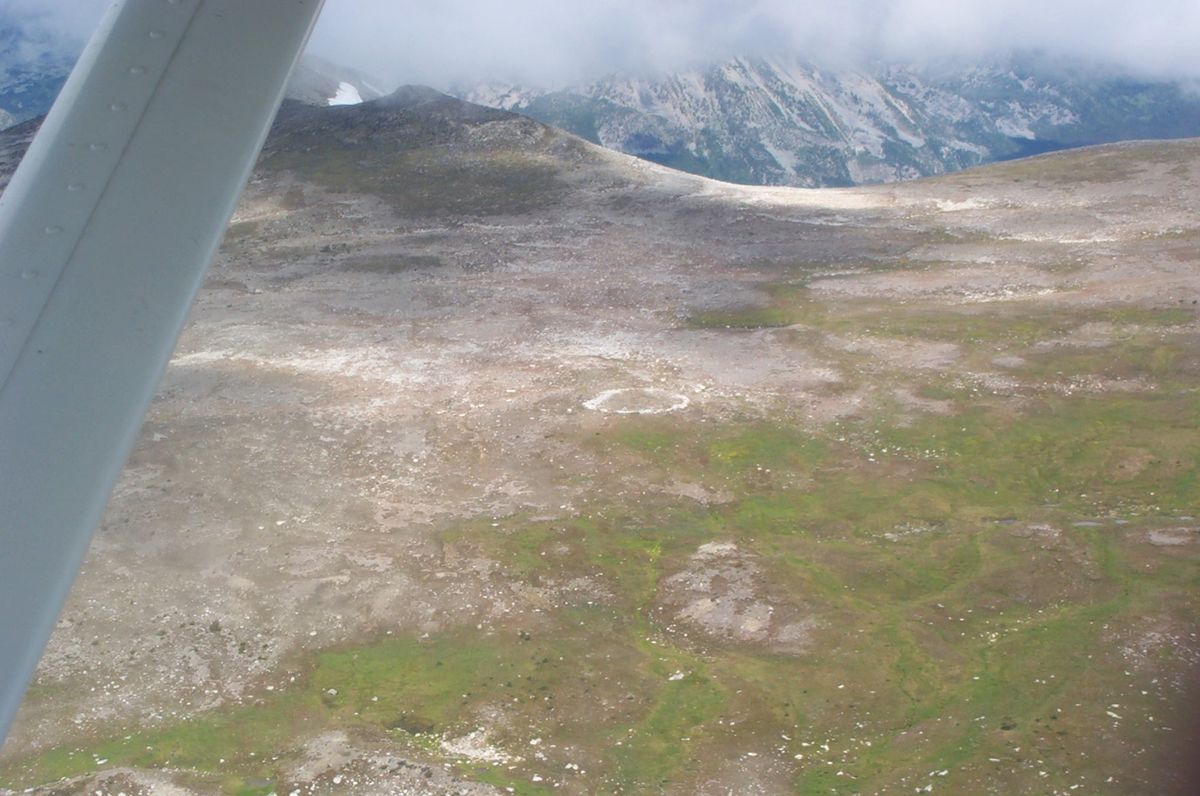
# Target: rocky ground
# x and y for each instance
(491, 461)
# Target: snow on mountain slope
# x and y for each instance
(347, 94)
(787, 121)
(320, 82)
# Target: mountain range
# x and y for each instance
(759, 120)
(786, 121)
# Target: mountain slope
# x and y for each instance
(317, 81)
(785, 121)
(466, 159)
(13, 143)
(662, 485)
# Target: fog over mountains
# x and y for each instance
(36, 58)
(33, 67)
(809, 118)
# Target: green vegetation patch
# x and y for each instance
(957, 581)
(995, 324)
(1091, 164)
(742, 450)
(411, 693)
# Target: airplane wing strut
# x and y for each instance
(105, 233)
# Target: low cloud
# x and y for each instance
(549, 42)
(60, 24)
(556, 42)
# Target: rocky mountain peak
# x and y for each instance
(784, 120)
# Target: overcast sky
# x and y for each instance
(549, 42)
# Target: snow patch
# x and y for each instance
(347, 94)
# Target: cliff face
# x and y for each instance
(784, 121)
